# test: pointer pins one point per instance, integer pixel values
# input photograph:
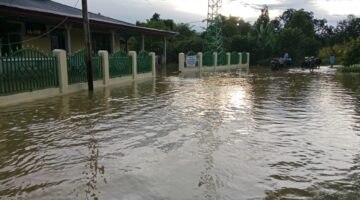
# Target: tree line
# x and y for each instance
(296, 32)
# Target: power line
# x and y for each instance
(44, 34)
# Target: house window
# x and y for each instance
(58, 40)
(10, 39)
(101, 41)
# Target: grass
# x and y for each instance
(350, 69)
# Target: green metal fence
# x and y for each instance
(143, 62)
(120, 64)
(221, 59)
(208, 59)
(244, 58)
(27, 70)
(77, 70)
(234, 58)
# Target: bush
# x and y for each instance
(352, 54)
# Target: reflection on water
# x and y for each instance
(258, 135)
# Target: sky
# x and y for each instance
(195, 11)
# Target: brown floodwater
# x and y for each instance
(258, 135)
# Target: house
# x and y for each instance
(49, 25)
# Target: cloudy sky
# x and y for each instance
(194, 11)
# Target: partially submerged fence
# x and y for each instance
(27, 70)
(209, 60)
(120, 64)
(77, 68)
(143, 62)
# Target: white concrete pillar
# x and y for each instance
(181, 61)
(215, 56)
(134, 64)
(200, 57)
(62, 69)
(104, 55)
(248, 59)
(228, 59)
(153, 63)
(240, 59)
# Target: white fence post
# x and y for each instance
(215, 56)
(181, 61)
(248, 59)
(62, 69)
(228, 59)
(153, 66)
(134, 64)
(240, 59)
(104, 55)
(200, 56)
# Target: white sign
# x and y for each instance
(191, 61)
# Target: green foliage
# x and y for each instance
(352, 69)
(296, 32)
(352, 55)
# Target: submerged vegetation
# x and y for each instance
(297, 32)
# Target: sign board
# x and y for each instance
(191, 61)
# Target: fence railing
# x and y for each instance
(234, 58)
(120, 64)
(143, 62)
(27, 70)
(244, 58)
(208, 59)
(77, 70)
(221, 59)
(215, 61)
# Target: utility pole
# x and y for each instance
(87, 40)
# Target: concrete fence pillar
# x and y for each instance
(181, 61)
(228, 59)
(62, 69)
(240, 59)
(200, 62)
(153, 63)
(215, 56)
(248, 59)
(104, 55)
(134, 64)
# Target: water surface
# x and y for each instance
(257, 135)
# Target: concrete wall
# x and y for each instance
(66, 88)
(77, 39)
(43, 43)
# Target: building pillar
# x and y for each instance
(142, 42)
(165, 51)
(181, 61)
(153, 63)
(68, 37)
(104, 55)
(113, 46)
(134, 64)
(62, 69)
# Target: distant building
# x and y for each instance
(26, 22)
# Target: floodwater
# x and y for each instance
(257, 135)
